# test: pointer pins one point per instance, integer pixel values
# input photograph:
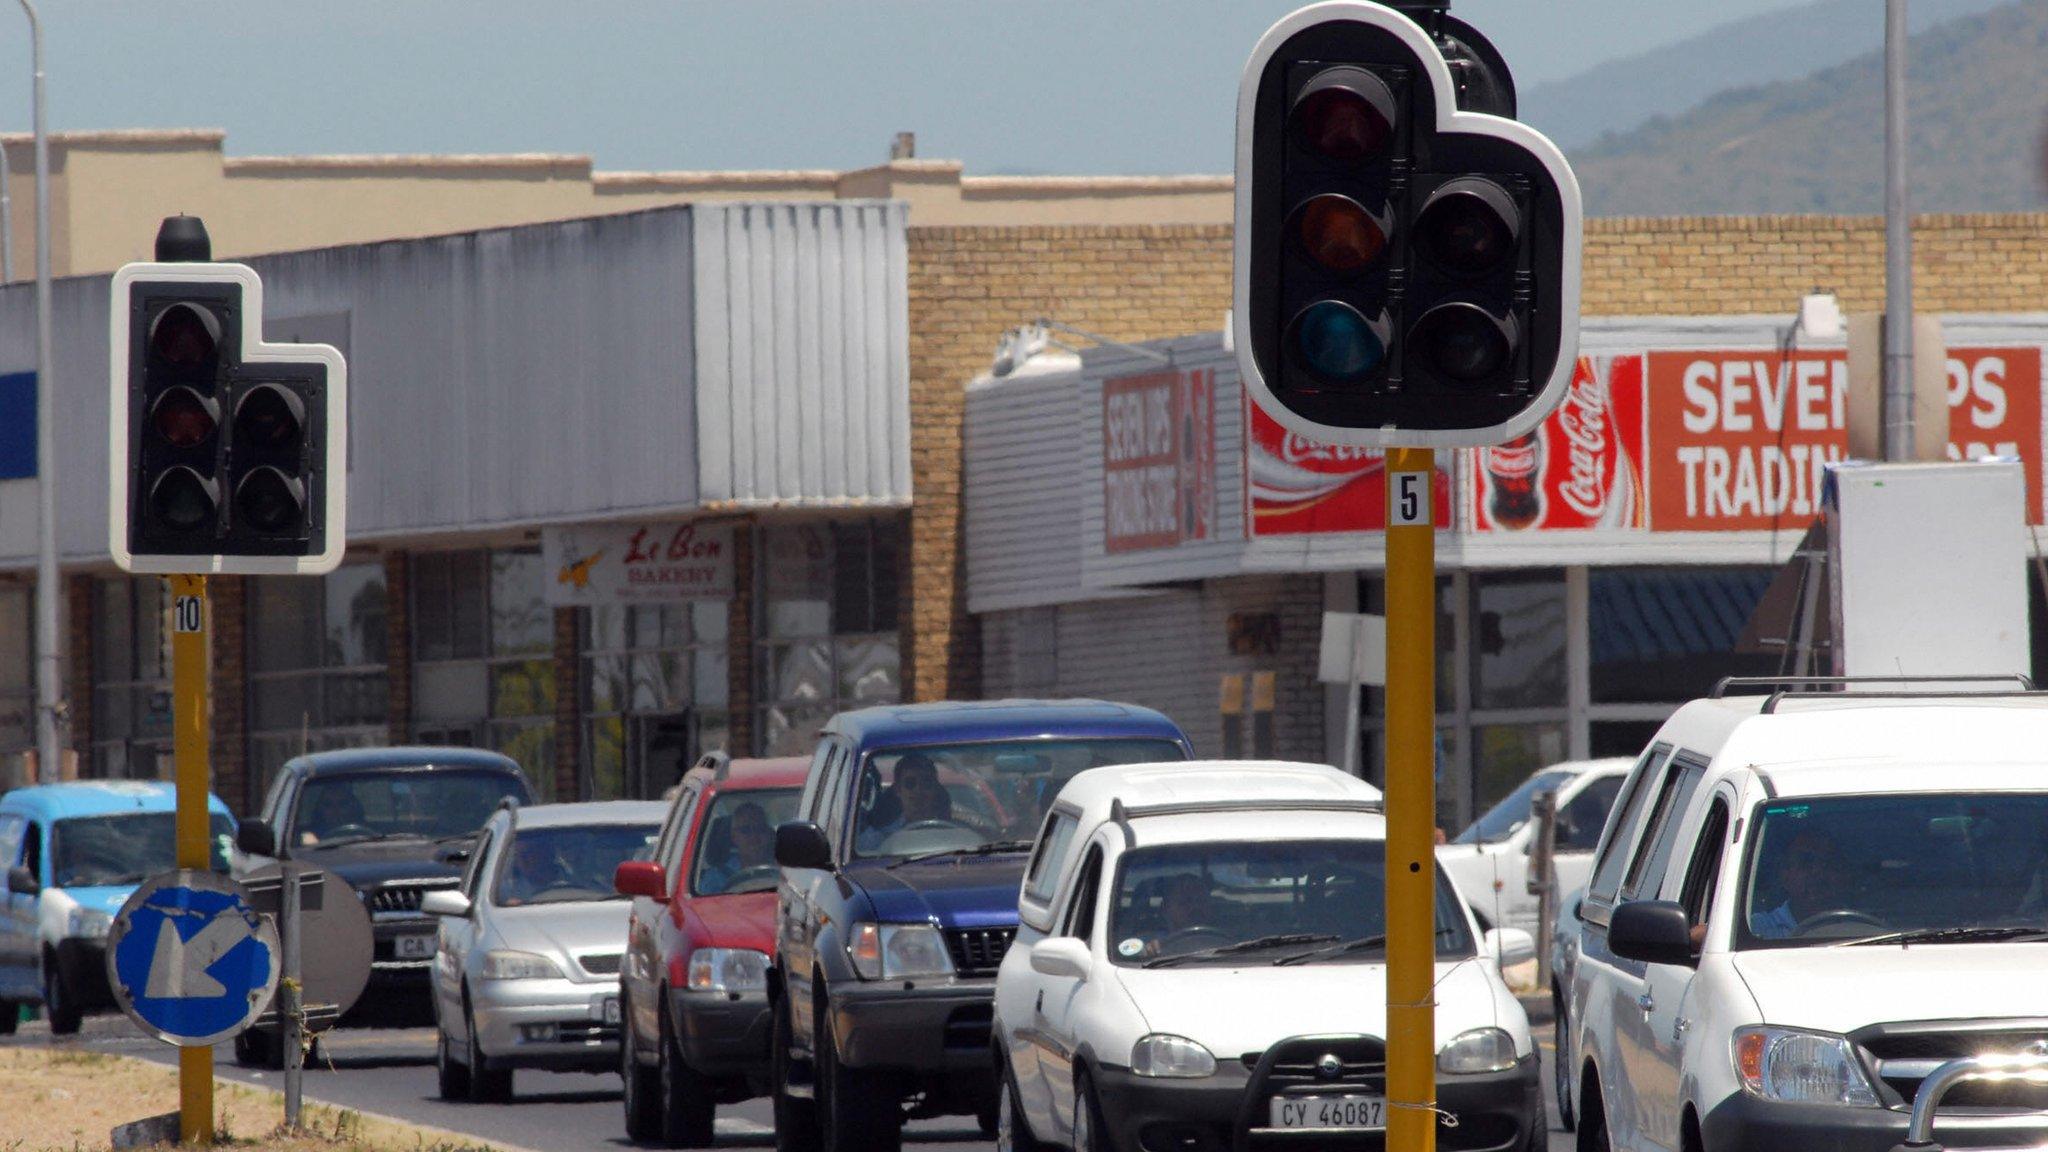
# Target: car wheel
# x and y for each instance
(1592, 1118)
(486, 1085)
(58, 1003)
(10, 1015)
(687, 1104)
(1013, 1131)
(796, 1119)
(858, 1108)
(643, 1111)
(453, 1076)
(258, 1047)
(1089, 1133)
(1561, 1059)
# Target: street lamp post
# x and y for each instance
(49, 666)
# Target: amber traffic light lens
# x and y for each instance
(183, 418)
(1345, 114)
(1339, 234)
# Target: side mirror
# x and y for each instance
(22, 881)
(256, 838)
(802, 844)
(1510, 946)
(1652, 931)
(1060, 956)
(640, 878)
(444, 902)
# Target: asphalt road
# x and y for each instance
(392, 1073)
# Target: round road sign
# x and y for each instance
(189, 960)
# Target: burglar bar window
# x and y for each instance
(484, 674)
(316, 658)
(828, 625)
(655, 683)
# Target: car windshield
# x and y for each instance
(385, 805)
(1261, 902)
(1511, 813)
(128, 848)
(1826, 870)
(567, 864)
(962, 797)
(736, 848)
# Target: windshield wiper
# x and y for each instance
(1342, 948)
(988, 849)
(356, 838)
(1963, 935)
(1256, 944)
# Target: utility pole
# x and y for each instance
(49, 658)
(1897, 416)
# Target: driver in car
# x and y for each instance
(536, 867)
(332, 810)
(753, 846)
(916, 797)
(1813, 879)
(1186, 904)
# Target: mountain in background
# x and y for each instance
(1977, 95)
(1783, 45)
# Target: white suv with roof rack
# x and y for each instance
(1192, 972)
(1805, 904)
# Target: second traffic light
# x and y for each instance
(1406, 270)
(227, 452)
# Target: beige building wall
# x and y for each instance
(109, 190)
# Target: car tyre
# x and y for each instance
(1561, 1058)
(1592, 1118)
(1089, 1133)
(487, 1085)
(643, 1105)
(688, 1105)
(1013, 1130)
(796, 1119)
(58, 1002)
(857, 1107)
(453, 1076)
(258, 1047)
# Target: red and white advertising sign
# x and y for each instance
(1297, 486)
(1581, 468)
(1741, 439)
(597, 564)
(1158, 460)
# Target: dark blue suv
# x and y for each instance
(899, 896)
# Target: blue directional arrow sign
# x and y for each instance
(189, 960)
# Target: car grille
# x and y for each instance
(600, 963)
(978, 951)
(1296, 1064)
(404, 896)
(1903, 1055)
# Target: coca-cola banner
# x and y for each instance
(1158, 460)
(1581, 468)
(1299, 486)
(1741, 439)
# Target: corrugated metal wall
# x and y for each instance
(1023, 517)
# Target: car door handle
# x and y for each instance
(1679, 1028)
(1646, 1002)
(1039, 1006)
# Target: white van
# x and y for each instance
(1201, 962)
(1489, 860)
(1804, 904)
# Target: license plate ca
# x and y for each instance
(413, 947)
(1329, 1112)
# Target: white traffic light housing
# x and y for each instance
(227, 454)
(1406, 272)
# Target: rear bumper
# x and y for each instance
(723, 1034)
(939, 1028)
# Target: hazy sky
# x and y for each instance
(1056, 86)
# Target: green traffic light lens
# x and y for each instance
(269, 417)
(181, 500)
(1338, 233)
(1463, 343)
(270, 502)
(1336, 342)
(185, 336)
(1469, 226)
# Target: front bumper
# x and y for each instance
(559, 1024)
(1743, 1121)
(919, 1028)
(1220, 1113)
(723, 1034)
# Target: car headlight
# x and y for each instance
(1161, 1054)
(1799, 1067)
(519, 966)
(1479, 1050)
(728, 970)
(896, 951)
(88, 924)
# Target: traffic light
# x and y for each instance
(227, 453)
(1406, 254)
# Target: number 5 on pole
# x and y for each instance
(1411, 800)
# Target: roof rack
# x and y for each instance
(1780, 685)
(1121, 813)
(1771, 704)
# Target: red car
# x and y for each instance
(693, 993)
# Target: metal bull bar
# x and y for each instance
(2029, 1066)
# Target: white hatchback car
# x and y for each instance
(1806, 903)
(1489, 861)
(1201, 961)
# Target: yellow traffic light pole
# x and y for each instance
(191, 709)
(1411, 800)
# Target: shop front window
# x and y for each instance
(484, 674)
(1506, 755)
(828, 626)
(1518, 640)
(656, 678)
(316, 665)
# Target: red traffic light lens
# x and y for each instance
(1345, 114)
(181, 500)
(1337, 343)
(184, 418)
(1469, 226)
(271, 502)
(185, 336)
(1463, 342)
(1338, 233)
(269, 417)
